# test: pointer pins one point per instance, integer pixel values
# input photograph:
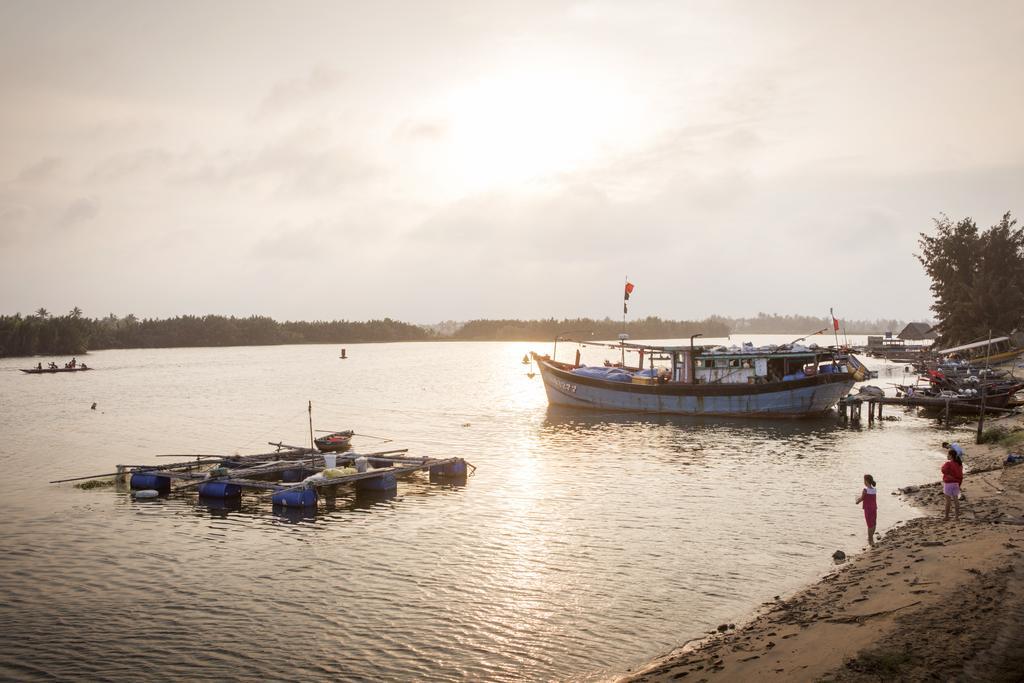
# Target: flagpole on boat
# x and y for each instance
(623, 336)
(625, 298)
(312, 443)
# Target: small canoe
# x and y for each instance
(50, 371)
(333, 443)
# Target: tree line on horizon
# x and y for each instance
(773, 323)
(42, 333)
(651, 327)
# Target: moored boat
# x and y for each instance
(986, 352)
(334, 442)
(50, 371)
(774, 381)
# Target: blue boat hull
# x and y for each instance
(807, 397)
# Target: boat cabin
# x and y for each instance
(746, 365)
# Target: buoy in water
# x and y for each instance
(143, 494)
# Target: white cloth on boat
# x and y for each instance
(608, 374)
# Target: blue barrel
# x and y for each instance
(296, 475)
(150, 480)
(385, 482)
(219, 489)
(451, 469)
(296, 498)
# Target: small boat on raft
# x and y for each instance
(334, 442)
(773, 381)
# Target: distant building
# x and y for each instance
(917, 332)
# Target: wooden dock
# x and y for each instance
(851, 407)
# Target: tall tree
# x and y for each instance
(977, 277)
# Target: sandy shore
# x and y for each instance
(933, 600)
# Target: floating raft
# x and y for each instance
(291, 476)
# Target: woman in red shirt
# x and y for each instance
(952, 477)
(869, 498)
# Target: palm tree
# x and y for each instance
(43, 313)
(76, 312)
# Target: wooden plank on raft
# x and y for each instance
(242, 474)
(251, 483)
(369, 474)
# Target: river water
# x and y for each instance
(584, 544)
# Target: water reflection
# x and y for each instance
(684, 432)
(290, 515)
(219, 505)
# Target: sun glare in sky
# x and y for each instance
(511, 128)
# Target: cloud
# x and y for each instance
(15, 222)
(330, 240)
(40, 172)
(294, 93)
(294, 244)
(133, 164)
(300, 164)
(426, 131)
(81, 210)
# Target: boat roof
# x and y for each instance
(975, 345)
(739, 352)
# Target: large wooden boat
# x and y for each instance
(775, 381)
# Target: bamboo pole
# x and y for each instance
(147, 468)
(279, 444)
(312, 443)
(365, 436)
(94, 476)
(981, 409)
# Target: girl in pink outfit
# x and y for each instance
(952, 478)
(869, 499)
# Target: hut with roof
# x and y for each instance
(917, 332)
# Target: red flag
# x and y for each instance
(835, 320)
(629, 290)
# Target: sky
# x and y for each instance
(432, 161)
